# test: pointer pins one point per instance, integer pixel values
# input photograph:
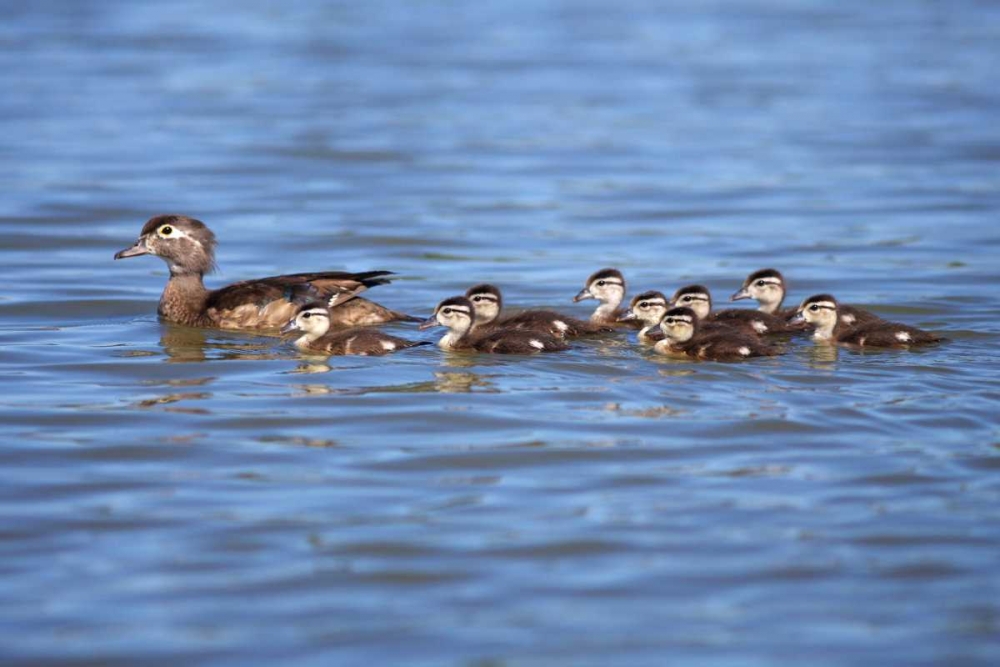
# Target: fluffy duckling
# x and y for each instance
(768, 288)
(608, 287)
(457, 314)
(649, 309)
(683, 338)
(823, 312)
(699, 299)
(314, 321)
(188, 247)
(488, 304)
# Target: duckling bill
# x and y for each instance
(188, 246)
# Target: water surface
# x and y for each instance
(174, 495)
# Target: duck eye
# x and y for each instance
(814, 307)
(477, 299)
(446, 311)
(760, 283)
(306, 316)
(166, 230)
(687, 298)
(601, 283)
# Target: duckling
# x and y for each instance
(488, 303)
(768, 288)
(823, 312)
(457, 313)
(188, 247)
(683, 338)
(608, 287)
(699, 299)
(314, 320)
(648, 308)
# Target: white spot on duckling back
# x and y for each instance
(387, 345)
(560, 325)
(745, 351)
(903, 337)
(848, 319)
(759, 326)
(537, 344)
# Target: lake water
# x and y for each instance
(173, 496)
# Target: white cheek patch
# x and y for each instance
(903, 337)
(759, 326)
(537, 344)
(745, 351)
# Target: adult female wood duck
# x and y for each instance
(188, 247)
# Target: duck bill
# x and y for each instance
(583, 295)
(740, 295)
(627, 317)
(428, 323)
(797, 320)
(289, 327)
(138, 249)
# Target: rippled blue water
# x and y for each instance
(180, 496)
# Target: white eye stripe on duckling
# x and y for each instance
(693, 297)
(649, 303)
(455, 310)
(760, 282)
(485, 297)
(824, 305)
(315, 312)
(678, 320)
(603, 282)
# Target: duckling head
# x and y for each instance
(679, 324)
(766, 286)
(606, 285)
(185, 244)
(457, 313)
(648, 307)
(313, 320)
(820, 311)
(695, 297)
(486, 302)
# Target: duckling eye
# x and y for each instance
(760, 283)
(477, 299)
(601, 283)
(814, 307)
(306, 316)
(644, 305)
(687, 298)
(166, 230)
(446, 311)
(670, 320)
